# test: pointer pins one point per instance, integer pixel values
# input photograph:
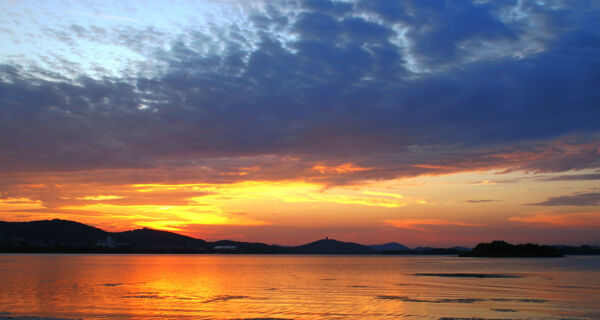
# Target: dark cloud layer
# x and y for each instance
(578, 199)
(574, 177)
(465, 89)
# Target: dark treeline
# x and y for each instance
(501, 249)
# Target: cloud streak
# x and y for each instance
(574, 177)
(419, 224)
(481, 201)
(578, 199)
(587, 219)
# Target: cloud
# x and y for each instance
(481, 201)
(577, 199)
(401, 94)
(574, 177)
(105, 16)
(332, 7)
(588, 219)
(439, 38)
(418, 224)
(341, 169)
(100, 197)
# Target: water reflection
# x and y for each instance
(296, 287)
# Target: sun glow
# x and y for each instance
(424, 205)
(282, 191)
(100, 197)
(236, 204)
(176, 215)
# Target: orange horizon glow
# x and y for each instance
(426, 207)
(416, 224)
(590, 218)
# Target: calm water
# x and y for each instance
(296, 287)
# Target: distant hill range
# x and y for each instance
(391, 246)
(329, 246)
(63, 236)
(69, 236)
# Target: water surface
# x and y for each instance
(91, 286)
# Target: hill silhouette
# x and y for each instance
(390, 246)
(74, 237)
(231, 246)
(329, 246)
(70, 236)
(60, 232)
(150, 239)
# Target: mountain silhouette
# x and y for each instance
(70, 236)
(390, 246)
(247, 247)
(330, 246)
(150, 239)
(62, 232)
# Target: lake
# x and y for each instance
(88, 286)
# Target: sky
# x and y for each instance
(429, 123)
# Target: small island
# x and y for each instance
(502, 249)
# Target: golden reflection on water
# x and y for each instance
(294, 287)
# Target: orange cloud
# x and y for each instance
(433, 166)
(341, 169)
(7, 204)
(176, 215)
(37, 185)
(415, 224)
(590, 218)
(286, 191)
(100, 197)
(384, 194)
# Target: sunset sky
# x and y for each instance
(434, 123)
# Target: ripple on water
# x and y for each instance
(468, 275)
(144, 295)
(450, 318)
(113, 284)
(408, 299)
(4, 317)
(519, 300)
(224, 298)
(504, 310)
(263, 319)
